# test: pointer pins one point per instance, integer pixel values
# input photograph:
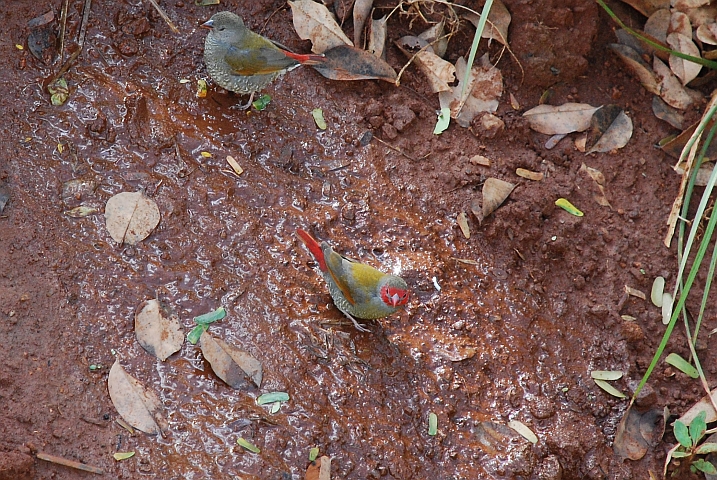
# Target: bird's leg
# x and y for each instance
(248, 104)
(358, 326)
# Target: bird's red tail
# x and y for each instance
(306, 59)
(313, 247)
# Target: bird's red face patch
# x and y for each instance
(393, 296)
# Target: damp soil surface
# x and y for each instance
(503, 326)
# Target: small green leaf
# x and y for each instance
(444, 120)
(706, 448)
(313, 454)
(205, 3)
(606, 374)
(248, 445)
(568, 207)
(609, 388)
(704, 466)
(275, 407)
(193, 336)
(262, 102)
(59, 91)
(210, 317)
(682, 365)
(698, 427)
(123, 455)
(318, 115)
(432, 424)
(682, 434)
(272, 397)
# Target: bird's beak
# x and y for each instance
(394, 300)
(208, 24)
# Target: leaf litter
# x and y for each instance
(130, 217)
(158, 332)
(236, 367)
(137, 405)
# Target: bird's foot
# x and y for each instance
(358, 326)
(247, 105)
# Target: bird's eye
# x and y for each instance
(221, 29)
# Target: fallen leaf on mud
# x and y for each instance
(122, 455)
(261, 103)
(599, 180)
(494, 438)
(480, 160)
(432, 424)
(685, 70)
(498, 22)
(606, 375)
(247, 445)
(130, 217)
(675, 146)
(443, 121)
(201, 88)
(635, 292)
(485, 87)
(348, 63)
(648, 7)
(59, 92)
(495, 192)
(682, 365)
(437, 71)
(377, 37)
(313, 21)
(658, 24)
(79, 212)
(235, 166)
(670, 87)
(580, 142)
(319, 469)
(434, 36)
(203, 322)
(610, 129)
(658, 288)
(665, 112)
(554, 140)
(272, 397)
(666, 307)
(138, 406)
(637, 432)
(707, 33)
(313, 453)
(704, 405)
(158, 333)
(362, 9)
(230, 364)
(639, 68)
(680, 23)
(566, 118)
(530, 175)
(565, 204)
(462, 221)
(609, 388)
(524, 431)
(514, 103)
(318, 115)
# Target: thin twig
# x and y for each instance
(63, 29)
(69, 463)
(396, 149)
(81, 42)
(164, 16)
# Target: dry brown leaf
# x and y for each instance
(530, 175)
(648, 7)
(553, 141)
(514, 103)
(462, 221)
(707, 33)
(313, 21)
(702, 16)
(684, 5)
(158, 332)
(610, 129)
(498, 22)
(495, 192)
(560, 119)
(319, 469)
(437, 71)
(138, 406)
(130, 217)
(232, 365)
(658, 24)
(704, 405)
(485, 87)
(637, 432)
(641, 70)
(432, 36)
(599, 180)
(580, 142)
(480, 160)
(665, 112)
(635, 292)
(362, 9)
(685, 70)
(680, 23)
(350, 63)
(671, 89)
(377, 37)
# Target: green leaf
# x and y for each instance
(444, 119)
(206, 3)
(262, 102)
(606, 374)
(193, 336)
(706, 448)
(313, 454)
(432, 424)
(682, 365)
(248, 445)
(679, 454)
(704, 466)
(211, 317)
(123, 455)
(275, 407)
(682, 434)
(609, 388)
(318, 115)
(272, 397)
(698, 427)
(568, 207)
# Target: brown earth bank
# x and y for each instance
(513, 335)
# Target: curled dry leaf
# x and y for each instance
(362, 9)
(610, 129)
(434, 36)
(554, 140)
(599, 180)
(530, 175)
(462, 221)
(637, 432)
(230, 364)
(485, 87)
(349, 63)
(497, 25)
(138, 406)
(638, 67)
(671, 89)
(560, 119)
(707, 33)
(377, 37)
(495, 192)
(158, 332)
(685, 70)
(313, 21)
(130, 217)
(437, 71)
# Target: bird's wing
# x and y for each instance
(258, 60)
(335, 264)
(357, 281)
